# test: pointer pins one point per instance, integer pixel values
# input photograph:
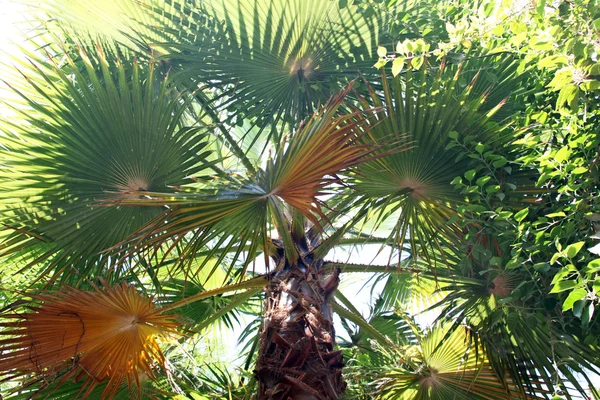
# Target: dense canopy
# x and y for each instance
(301, 199)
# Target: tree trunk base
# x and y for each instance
(296, 359)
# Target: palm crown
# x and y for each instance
(158, 158)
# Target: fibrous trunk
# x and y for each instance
(296, 359)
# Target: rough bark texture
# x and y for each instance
(296, 359)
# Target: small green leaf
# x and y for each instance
(573, 249)
(379, 64)
(453, 135)
(398, 65)
(587, 315)
(540, 45)
(592, 267)
(498, 30)
(496, 261)
(504, 214)
(483, 180)
(578, 307)
(492, 189)
(540, 7)
(513, 264)
(563, 273)
(542, 267)
(552, 62)
(521, 215)
(470, 174)
(569, 95)
(518, 27)
(499, 163)
(381, 51)
(561, 78)
(400, 48)
(555, 215)
(575, 295)
(564, 285)
(456, 181)
(417, 62)
(563, 154)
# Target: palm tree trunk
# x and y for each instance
(296, 359)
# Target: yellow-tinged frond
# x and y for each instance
(110, 334)
(445, 364)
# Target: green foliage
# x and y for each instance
(102, 130)
(530, 210)
(174, 155)
(446, 118)
(269, 62)
(553, 231)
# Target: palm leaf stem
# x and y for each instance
(330, 265)
(254, 283)
(235, 148)
(239, 300)
(358, 319)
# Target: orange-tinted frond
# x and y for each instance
(325, 145)
(110, 334)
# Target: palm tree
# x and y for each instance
(182, 143)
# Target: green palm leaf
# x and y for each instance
(275, 60)
(414, 189)
(523, 342)
(444, 370)
(519, 339)
(119, 24)
(252, 61)
(71, 390)
(88, 133)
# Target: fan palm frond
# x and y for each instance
(520, 340)
(444, 368)
(221, 383)
(272, 61)
(412, 293)
(415, 188)
(526, 343)
(87, 133)
(390, 324)
(325, 145)
(119, 24)
(110, 334)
